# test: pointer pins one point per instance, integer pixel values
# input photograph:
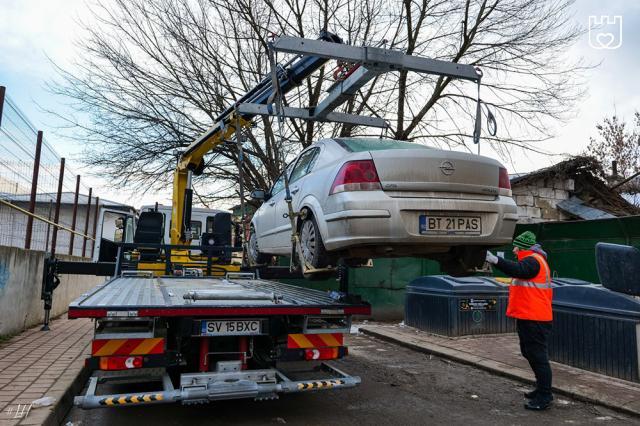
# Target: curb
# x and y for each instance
(512, 374)
(65, 402)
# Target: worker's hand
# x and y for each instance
(491, 258)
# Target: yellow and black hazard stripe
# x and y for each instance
(132, 399)
(321, 384)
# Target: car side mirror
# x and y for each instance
(259, 195)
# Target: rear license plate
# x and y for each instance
(231, 327)
(450, 225)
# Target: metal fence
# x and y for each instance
(38, 190)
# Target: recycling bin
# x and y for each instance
(596, 329)
(453, 307)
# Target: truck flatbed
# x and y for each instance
(178, 296)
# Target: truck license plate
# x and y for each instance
(450, 225)
(231, 328)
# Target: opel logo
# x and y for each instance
(447, 168)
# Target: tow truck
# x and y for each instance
(190, 322)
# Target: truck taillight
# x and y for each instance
(120, 362)
(359, 175)
(321, 353)
(503, 179)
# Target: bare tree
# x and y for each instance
(155, 74)
(618, 143)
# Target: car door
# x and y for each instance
(264, 220)
(282, 225)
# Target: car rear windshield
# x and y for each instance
(373, 144)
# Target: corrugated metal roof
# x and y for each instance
(576, 207)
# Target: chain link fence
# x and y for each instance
(19, 170)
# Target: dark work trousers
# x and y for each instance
(533, 345)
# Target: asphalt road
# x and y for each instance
(399, 387)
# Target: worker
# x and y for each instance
(530, 297)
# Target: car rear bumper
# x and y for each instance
(384, 220)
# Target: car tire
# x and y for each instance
(253, 252)
(313, 249)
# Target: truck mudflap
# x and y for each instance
(198, 388)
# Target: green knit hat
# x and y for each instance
(525, 240)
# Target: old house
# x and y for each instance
(572, 189)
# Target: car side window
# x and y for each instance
(278, 186)
(305, 164)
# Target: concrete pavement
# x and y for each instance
(500, 354)
(36, 364)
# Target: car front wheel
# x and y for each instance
(255, 257)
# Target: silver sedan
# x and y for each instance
(372, 198)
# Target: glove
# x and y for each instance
(491, 258)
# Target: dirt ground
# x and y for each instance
(399, 387)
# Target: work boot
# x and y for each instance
(532, 394)
(539, 403)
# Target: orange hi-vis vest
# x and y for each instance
(531, 299)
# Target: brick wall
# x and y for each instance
(537, 200)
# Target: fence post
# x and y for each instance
(46, 240)
(56, 215)
(75, 212)
(34, 191)
(86, 224)
(95, 225)
(2, 92)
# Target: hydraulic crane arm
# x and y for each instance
(191, 162)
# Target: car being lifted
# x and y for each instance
(372, 198)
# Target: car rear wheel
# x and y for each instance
(255, 257)
(313, 249)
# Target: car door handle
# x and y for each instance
(273, 203)
(294, 190)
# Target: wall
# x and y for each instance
(537, 200)
(20, 286)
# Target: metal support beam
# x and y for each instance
(305, 114)
(344, 90)
(375, 58)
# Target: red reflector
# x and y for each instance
(503, 180)
(321, 353)
(120, 362)
(359, 175)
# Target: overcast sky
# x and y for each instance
(32, 30)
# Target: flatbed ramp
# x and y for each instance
(177, 296)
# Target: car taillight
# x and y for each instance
(321, 353)
(359, 175)
(120, 362)
(503, 179)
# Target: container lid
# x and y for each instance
(595, 299)
(446, 284)
(569, 281)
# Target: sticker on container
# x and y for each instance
(473, 304)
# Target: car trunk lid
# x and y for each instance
(435, 173)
